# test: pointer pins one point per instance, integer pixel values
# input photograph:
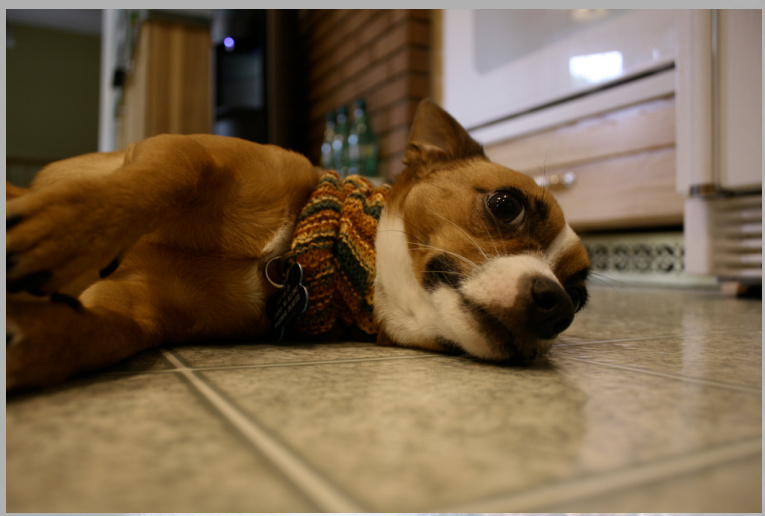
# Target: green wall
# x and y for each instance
(52, 94)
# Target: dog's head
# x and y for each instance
(472, 256)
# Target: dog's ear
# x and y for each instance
(437, 136)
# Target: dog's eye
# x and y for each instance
(506, 207)
(578, 296)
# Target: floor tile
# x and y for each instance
(734, 358)
(730, 487)
(129, 444)
(634, 418)
(642, 379)
(414, 434)
(226, 355)
(691, 311)
(589, 327)
(631, 313)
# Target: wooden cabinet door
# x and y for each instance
(168, 87)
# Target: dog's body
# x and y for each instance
(168, 242)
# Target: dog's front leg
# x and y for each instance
(48, 341)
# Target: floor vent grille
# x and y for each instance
(642, 258)
(724, 237)
(737, 236)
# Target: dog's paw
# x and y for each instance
(56, 235)
(36, 350)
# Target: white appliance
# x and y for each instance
(719, 141)
(507, 73)
(513, 71)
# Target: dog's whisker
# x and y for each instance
(606, 280)
(547, 194)
(419, 246)
(491, 238)
(431, 183)
(413, 237)
(447, 272)
(457, 255)
(407, 222)
(423, 245)
(496, 226)
(461, 229)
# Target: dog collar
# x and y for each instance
(334, 243)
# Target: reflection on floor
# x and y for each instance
(650, 402)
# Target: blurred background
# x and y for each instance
(645, 124)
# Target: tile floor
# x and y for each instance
(651, 402)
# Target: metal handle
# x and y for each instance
(556, 181)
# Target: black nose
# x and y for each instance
(551, 310)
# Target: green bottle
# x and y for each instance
(326, 144)
(340, 142)
(362, 143)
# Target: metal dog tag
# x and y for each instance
(290, 301)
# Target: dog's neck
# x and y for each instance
(334, 242)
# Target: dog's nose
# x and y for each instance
(551, 310)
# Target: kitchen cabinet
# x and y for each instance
(613, 171)
(167, 85)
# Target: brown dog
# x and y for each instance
(168, 242)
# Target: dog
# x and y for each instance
(170, 241)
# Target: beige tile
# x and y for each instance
(628, 313)
(730, 487)
(637, 418)
(692, 311)
(733, 357)
(133, 444)
(416, 434)
(406, 430)
(224, 355)
(593, 328)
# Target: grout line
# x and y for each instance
(606, 341)
(690, 379)
(676, 335)
(326, 496)
(269, 364)
(537, 499)
(305, 362)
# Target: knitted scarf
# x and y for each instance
(334, 242)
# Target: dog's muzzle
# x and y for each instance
(520, 325)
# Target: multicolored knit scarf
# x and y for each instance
(334, 242)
